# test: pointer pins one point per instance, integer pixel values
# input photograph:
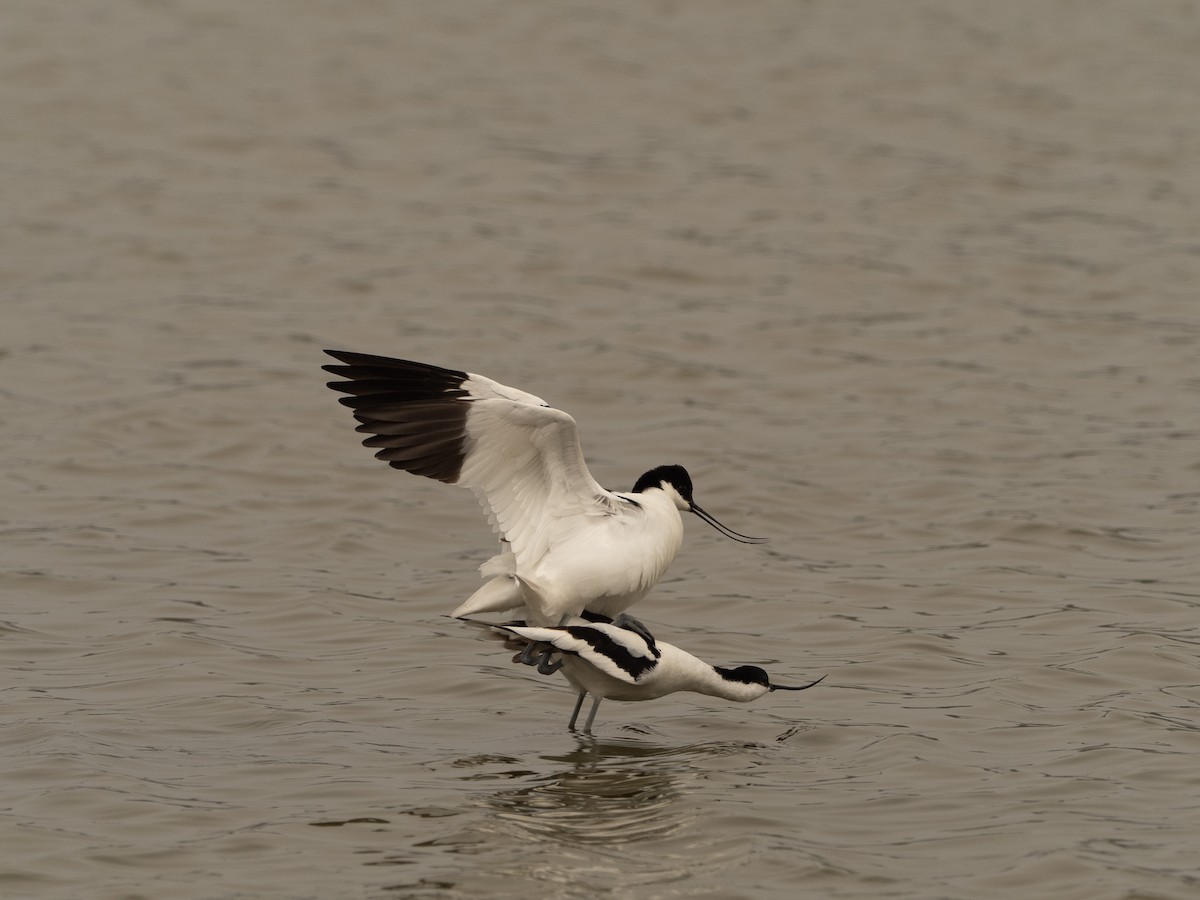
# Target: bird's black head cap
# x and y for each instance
(745, 675)
(676, 476)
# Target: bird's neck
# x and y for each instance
(666, 518)
(736, 690)
(690, 673)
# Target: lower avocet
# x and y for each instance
(610, 662)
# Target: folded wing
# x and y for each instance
(619, 652)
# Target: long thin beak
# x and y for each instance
(728, 532)
(803, 687)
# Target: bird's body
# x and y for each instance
(568, 544)
(615, 663)
(602, 562)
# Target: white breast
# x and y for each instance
(608, 562)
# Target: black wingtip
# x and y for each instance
(345, 356)
(410, 409)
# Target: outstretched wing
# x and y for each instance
(619, 652)
(519, 455)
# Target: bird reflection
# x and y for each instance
(608, 792)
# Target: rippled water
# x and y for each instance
(910, 288)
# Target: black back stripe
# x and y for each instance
(621, 656)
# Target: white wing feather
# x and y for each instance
(524, 463)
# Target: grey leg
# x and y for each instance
(587, 728)
(575, 712)
(539, 655)
(529, 656)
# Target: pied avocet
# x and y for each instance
(579, 546)
(608, 661)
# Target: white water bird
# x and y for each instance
(567, 544)
(608, 661)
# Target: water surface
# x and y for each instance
(910, 288)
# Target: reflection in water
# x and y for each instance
(621, 800)
(607, 793)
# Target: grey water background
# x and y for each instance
(910, 288)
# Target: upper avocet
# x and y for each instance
(579, 546)
(605, 660)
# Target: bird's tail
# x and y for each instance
(504, 593)
(500, 594)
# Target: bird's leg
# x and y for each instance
(538, 655)
(542, 661)
(628, 622)
(587, 727)
(575, 712)
(529, 656)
